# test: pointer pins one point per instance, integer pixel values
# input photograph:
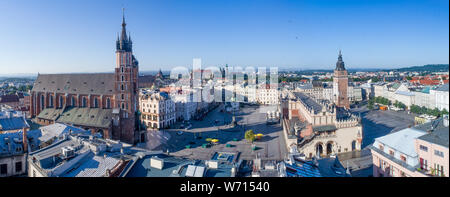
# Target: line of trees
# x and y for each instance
(291, 79)
(379, 100)
(423, 110)
(399, 105)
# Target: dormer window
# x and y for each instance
(403, 158)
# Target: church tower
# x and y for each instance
(340, 84)
(126, 85)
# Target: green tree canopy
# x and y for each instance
(250, 136)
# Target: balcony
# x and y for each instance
(427, 172)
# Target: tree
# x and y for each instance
(435, 112)
(444, 111)
(415, 109)
(424, 110)
(370, 104)
(250, 136)
(401, 105)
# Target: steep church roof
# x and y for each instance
(92, 83)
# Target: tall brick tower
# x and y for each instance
(340, 84)
(126, 85)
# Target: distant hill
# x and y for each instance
(428, 67)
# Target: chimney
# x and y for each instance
(25, 140)
(108, 173)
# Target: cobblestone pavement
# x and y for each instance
(376, 123)
(214, 125)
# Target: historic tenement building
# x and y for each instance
(157, 110)
(100, 102)
(340, 84)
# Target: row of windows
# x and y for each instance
(155, 117)
(149, 117)
(4, 168)
(155, 125)
(390, 169)
(436, 152)
(439, 153)
(125, 59)
(423, 148)
(438, 170)
(73, 102)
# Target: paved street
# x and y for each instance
(376, 123)
(271, 146)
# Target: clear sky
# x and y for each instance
(54, 36)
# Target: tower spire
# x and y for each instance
(123, 17)
(340, 63)
(124, 30)
(124, 41)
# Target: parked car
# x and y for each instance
(180, 133)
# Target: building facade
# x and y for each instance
(317, 128)
(421, 151)
(157, 110)
(442, 97)
(101, 102)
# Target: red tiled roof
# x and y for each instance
(9, 98)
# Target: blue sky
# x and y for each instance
(54, 36)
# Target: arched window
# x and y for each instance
(42, 102)
(123, 96)
(123, 105)
(84, 102)
(50, 99)
(95, 102)
(60, 101)
(122, 68)
(123, 78)
(121, 87)
(108, 103)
